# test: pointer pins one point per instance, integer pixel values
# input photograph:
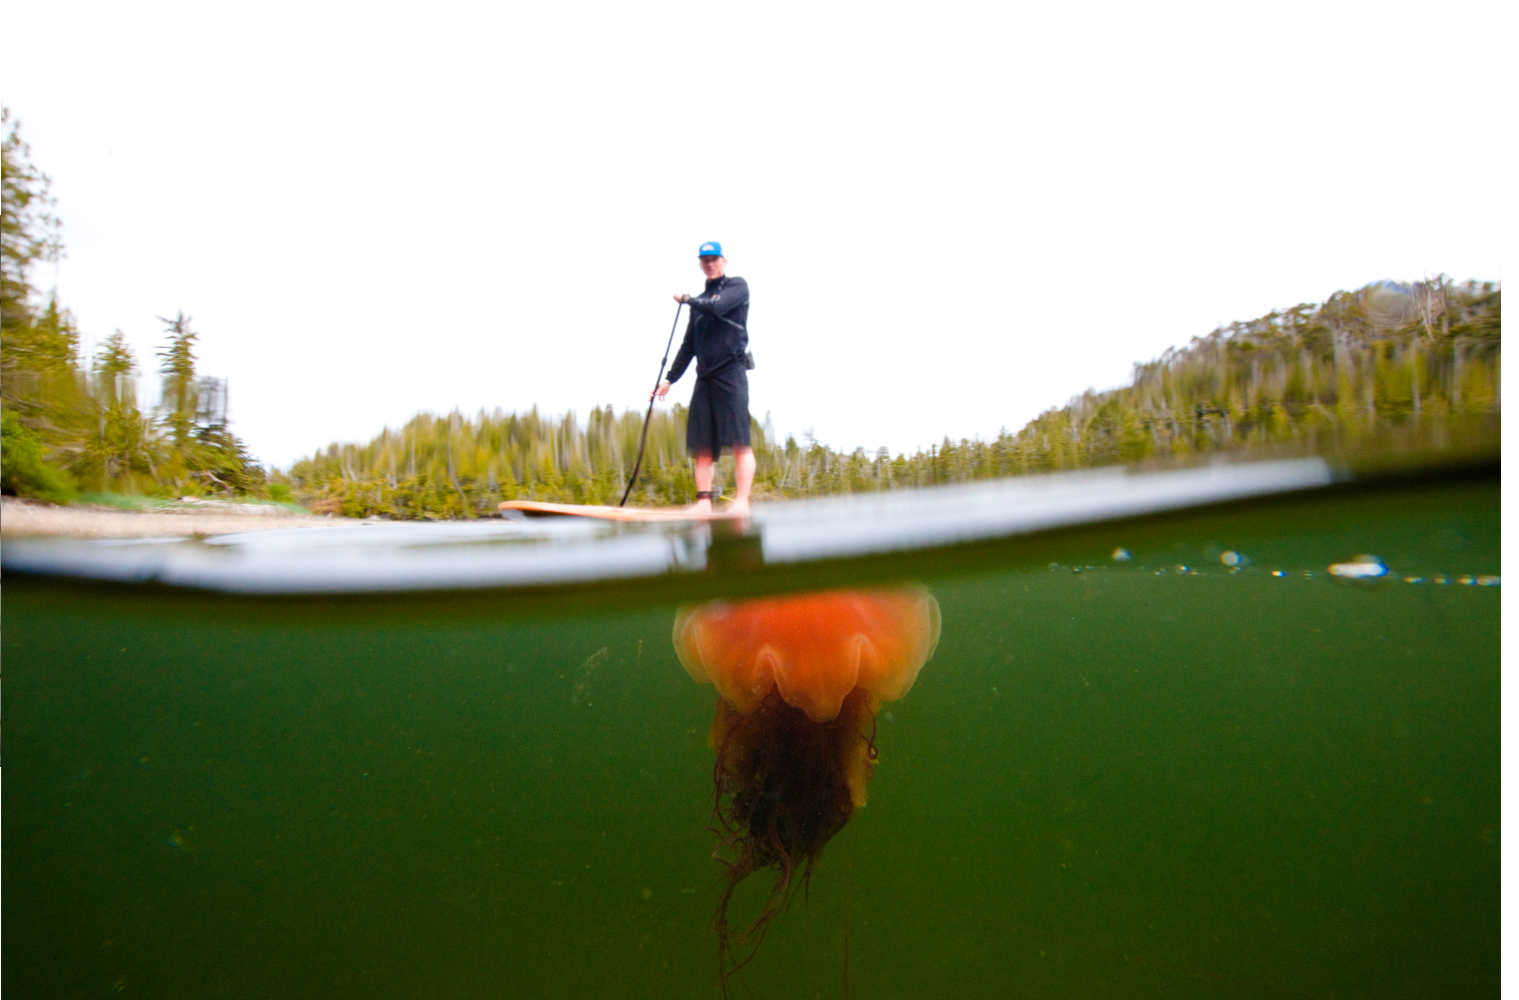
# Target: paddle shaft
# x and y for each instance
(644, 437)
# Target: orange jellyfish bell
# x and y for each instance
(814, 649)
(800, 679)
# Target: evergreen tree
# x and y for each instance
(206, 455)
(28, 230)
(124, 450)
(39, 379)
(178, 371)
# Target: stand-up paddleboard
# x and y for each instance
(605, 513)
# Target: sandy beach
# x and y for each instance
(21, 518)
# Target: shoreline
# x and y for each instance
(22, 518)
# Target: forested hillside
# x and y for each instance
(1392, 368)
(1385, 371)
(72, 423)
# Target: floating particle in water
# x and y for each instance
(1468, 580)
(175, 840)
(1054, 567)
(582, 692)
(1278, 572)
(1413, 579)
(1234, 560)
(1121, 555)
(1489, 581)
(1075, 569)
(1441, 579)
(1362, 567)
(1180, 568)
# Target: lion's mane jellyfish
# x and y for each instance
(800, 680)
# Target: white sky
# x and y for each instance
(951, 216)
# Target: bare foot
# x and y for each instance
(702, 506)
(738, 508)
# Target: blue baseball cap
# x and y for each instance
(712, 249)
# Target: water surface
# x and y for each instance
(1152, 777)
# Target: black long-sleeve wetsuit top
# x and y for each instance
(717, 333)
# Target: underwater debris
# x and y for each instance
(1362, 567)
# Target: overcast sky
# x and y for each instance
(951, 216)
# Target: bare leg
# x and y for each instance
(703, 483)
(743, 472)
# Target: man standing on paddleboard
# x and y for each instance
(718, 337)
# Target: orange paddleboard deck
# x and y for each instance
(605, 513)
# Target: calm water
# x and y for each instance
(1109, 782)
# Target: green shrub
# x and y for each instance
(26, 473)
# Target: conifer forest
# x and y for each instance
(74, 423)
(1364, 378)
(1368, 377)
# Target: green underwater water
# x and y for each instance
(1106, 783)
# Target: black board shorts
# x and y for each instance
(719, 416)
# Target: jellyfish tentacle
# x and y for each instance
(861, 757)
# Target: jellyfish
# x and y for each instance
(799, 680)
